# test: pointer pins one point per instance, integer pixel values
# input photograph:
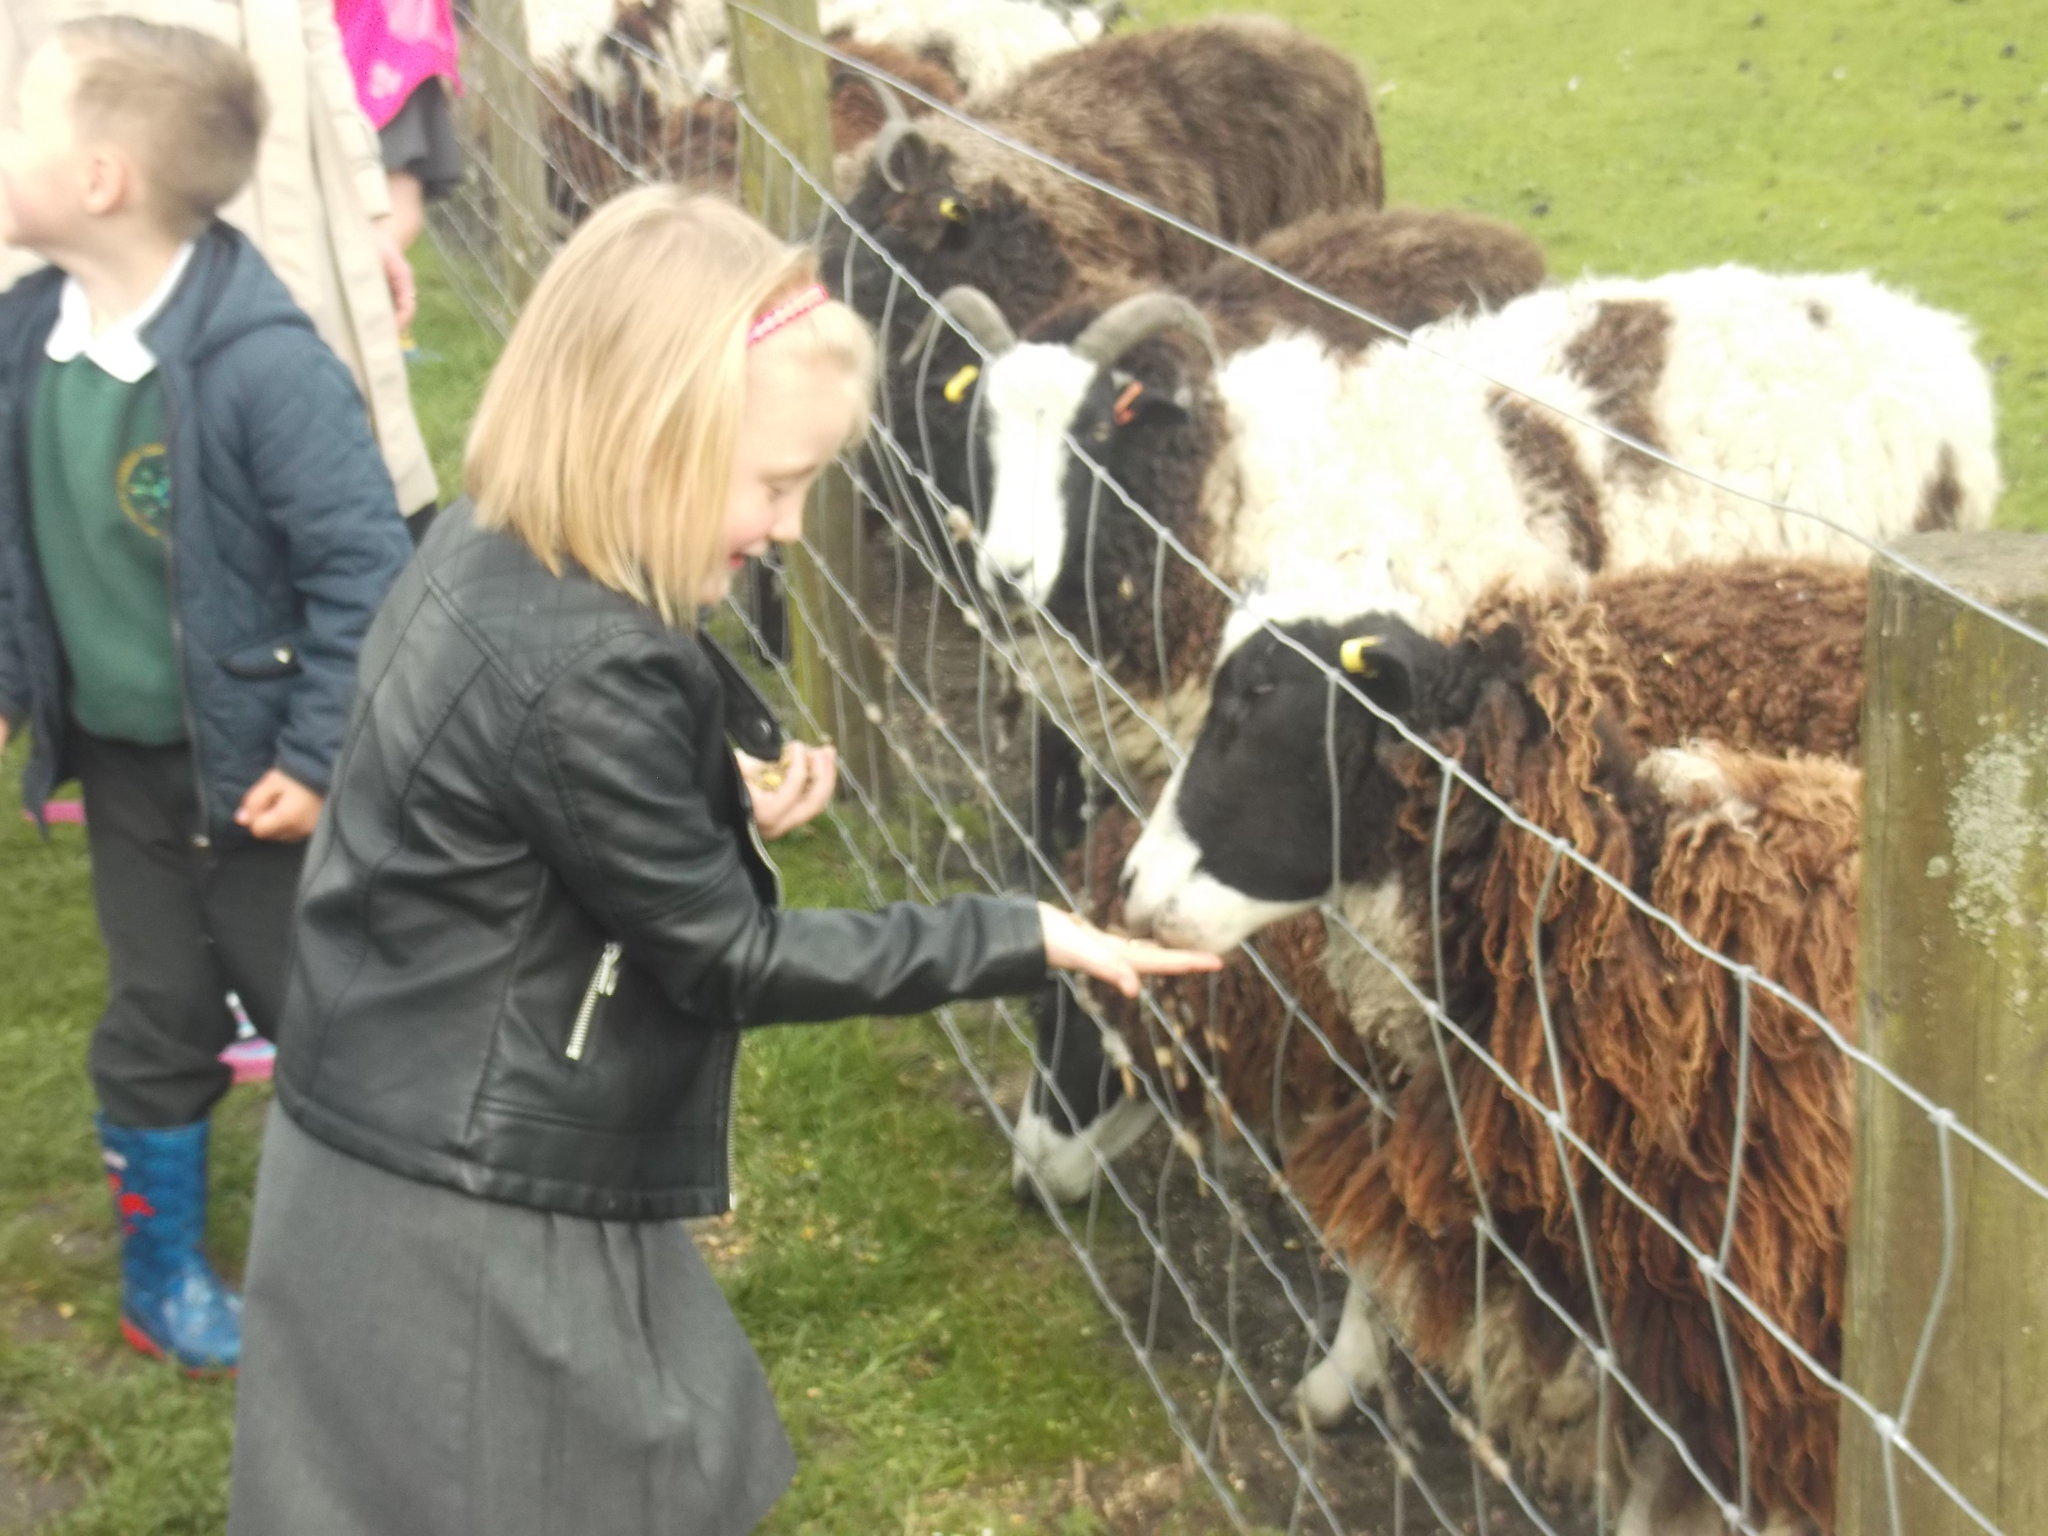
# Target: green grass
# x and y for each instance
(1909, 137)
(448, 377)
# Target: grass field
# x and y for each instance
(939, 1360)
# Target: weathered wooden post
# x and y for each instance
(1954, 970)
(784, 84)
(502, 75)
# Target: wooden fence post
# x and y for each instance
(1954, 977)
(784, 83)
(517, 183)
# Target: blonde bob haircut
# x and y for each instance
(606, 434)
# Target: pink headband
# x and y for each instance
(788, 312)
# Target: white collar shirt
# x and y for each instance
(119, 349)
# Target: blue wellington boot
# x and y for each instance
(172, 1303)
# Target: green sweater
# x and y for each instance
(100, 492)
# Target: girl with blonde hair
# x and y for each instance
(535, 921)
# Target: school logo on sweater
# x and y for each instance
(143, 483)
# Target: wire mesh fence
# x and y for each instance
(1521, 1128)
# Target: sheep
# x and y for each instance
(1754, 855)
(1407, 266)
(1408, 478)
(1285, 129)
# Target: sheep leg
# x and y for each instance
(1064, 1163)
(1663, 1497)
(1355, 1365)
(1076, 1109)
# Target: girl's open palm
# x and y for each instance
(1072, 944)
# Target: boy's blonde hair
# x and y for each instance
(607, 431)
(185, 105)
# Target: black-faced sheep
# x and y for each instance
(1753, 855)
(1407, 480)
(1284, 129)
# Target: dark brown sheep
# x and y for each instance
(1765, 655)
(1284, 128)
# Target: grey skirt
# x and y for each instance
(421, 139)
(416, 1362)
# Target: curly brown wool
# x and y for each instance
(1757, 856)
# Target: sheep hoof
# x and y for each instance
(1323, 1400)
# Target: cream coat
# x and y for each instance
(319, 181)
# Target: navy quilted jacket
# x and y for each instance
(285, 532)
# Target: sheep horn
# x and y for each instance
(1139, 318)
(895, 130)
(979, 316)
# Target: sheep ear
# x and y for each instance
(1174, 394)
(1385, 667)
(1171, 399)
(909, 161)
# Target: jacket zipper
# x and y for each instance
(203, 838)
(732, 1121)
(604, 981)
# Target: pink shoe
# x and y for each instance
(252, 1060)
(62, 812)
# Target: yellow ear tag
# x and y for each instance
(949, 207)
(958, 385)
(1353, 658)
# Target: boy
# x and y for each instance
(195, 530)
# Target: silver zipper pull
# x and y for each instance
(604, 981)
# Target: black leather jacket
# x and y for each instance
(534, 917)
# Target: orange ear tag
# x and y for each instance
(1121, 413)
